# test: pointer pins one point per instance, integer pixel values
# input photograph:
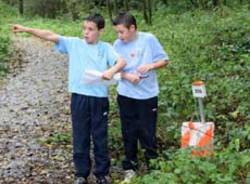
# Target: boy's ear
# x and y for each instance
(101, 30)
(132, 27)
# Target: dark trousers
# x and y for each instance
(90, 119)
(138, 118)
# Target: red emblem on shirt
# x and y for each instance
(133, 54)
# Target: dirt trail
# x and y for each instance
(34, 106)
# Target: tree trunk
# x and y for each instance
(115, 7)
(99, 5)
(166, 2)
(150, 11)
(21, 7)
(126, 5)
(216, 2)
(145, 13)
(74, 12)
(108, 3)
(194, 3)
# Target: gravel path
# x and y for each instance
(35, 118)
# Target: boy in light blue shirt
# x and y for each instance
(138, 89)
(89, 102)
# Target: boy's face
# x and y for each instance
(90, 32)
(125, 34)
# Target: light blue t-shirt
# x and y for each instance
(144, 49)
(84, 56)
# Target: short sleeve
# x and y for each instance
(112, 55)
(158, 52)
(64, 44)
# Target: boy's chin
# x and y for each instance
(124, 40)
(91, 41)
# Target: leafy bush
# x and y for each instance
(229, 166)
(5, 42)
(213, 47)
(4, 53)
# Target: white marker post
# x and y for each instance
(199, 91)
(198, 135)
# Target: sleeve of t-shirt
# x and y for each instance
(64, 44)
(112, 55)
(158, 52)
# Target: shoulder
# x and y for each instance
(104, 44)
(117, 43)
(75, 39)
(68, 37)
(147, 36)
(69, 40)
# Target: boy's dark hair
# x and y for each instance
(125, 19)
(97, 19)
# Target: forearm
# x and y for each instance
(131, 77)
(144, 68)
(159, 64)
(118, 66)
(43, 34)
(124, 75)
(108, 74)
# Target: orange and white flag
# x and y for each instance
(199, 136)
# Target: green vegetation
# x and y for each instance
(214, 47)
(5, 42)
(209, 45)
